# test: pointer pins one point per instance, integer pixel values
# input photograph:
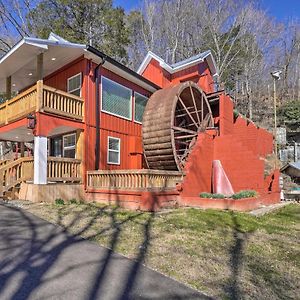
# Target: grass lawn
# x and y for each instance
(225, 254)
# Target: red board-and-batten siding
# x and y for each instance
(127, 130)
(199, 73)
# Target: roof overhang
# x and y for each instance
(21, 62)
(207, 56)
(116, 67)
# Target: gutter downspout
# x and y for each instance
(97, 111)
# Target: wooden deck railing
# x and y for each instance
(41, 98)
(133, 179)
(19, 106)
(62, 103)
(4, 162)
(22, 169)
(64, 169)
(15, 172)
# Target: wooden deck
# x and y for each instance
(42, 98)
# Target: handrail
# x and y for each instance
(137, 171)
(54, 90)
(4, 162)
(42, 98)
(15, 172)
(133, 179)
(18, 106)
(64, 169)
(62, 103)
(22, 169)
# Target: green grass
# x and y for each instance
(225, 254)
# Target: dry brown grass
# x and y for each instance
(225, 254)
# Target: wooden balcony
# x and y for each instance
(133, 179)
(42, 98)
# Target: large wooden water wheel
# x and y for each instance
(172, 119)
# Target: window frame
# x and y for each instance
(80, 87)
(119, 151)
(52, 144)
(139, 122)
(110, 113)
(68, 147)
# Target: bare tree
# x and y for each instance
(13, 20)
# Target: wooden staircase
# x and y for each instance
(12, 173)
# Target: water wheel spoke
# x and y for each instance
(187, 111)
(205, 123)
(191, 111)
(175, 128)
(181, 142)
(180, 137)
(194, 102)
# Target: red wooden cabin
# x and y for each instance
(76, 117)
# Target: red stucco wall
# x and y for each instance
(198, 168)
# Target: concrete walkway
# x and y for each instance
(267, 209)
(38, 260)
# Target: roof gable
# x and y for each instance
(201, 57)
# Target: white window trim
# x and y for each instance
(108, 150)
(110, 113)
(136, 93)
(68, 147)
(80, 74)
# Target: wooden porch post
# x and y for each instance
(39, 78)
(79, 150)
(39, 66)
(8, 87)
(22, 146)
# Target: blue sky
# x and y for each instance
(280, 9)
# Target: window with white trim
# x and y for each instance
(74, 85)
(116, 99)
(140, 102)
(69, 145)
(113, 152)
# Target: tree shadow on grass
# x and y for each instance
(236, 259)
(267, 283)
(33, 253)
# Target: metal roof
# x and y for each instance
(191, 59)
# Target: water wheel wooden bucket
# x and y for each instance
(172, 119)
